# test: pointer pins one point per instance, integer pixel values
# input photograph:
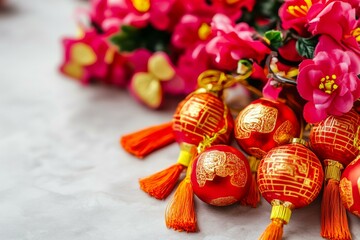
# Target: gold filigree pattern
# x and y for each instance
(284, 133)
(256, 117)
(356, 138)
(346, 192)
(199, 115)
(292, 172)
(222, 164)
(336, 137)
(223, 201)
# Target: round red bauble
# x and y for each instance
(199, 115)
(337, 138)
(350, 187)
(220, 175)
(263, 125)
(290, 173)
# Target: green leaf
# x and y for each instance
(127, 40)
(306, 46)
(130, 38)
(275, 38)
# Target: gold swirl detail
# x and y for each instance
(223, 201)
(222, 164)
(346, 192)
(257, 118)
(284, 133)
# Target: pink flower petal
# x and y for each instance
(320, 97)
(313, 115)
(342, 104)
(270, 91)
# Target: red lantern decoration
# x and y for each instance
(200, 120)
(199, 115)
(261, 126)
(336, 141)
(350, 187)
(289, 177)
(220, 175)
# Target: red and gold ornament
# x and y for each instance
(201, 118)
(336, 142)
(180, 213)
(350, 187)
(220, 175)
(200, 114)
(261, 126)
(289, 176)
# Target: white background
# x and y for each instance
(62, 172)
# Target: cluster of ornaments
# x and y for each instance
(286, 170)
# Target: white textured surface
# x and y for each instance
(62, 172)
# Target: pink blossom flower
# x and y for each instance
(90, 58)
(329, 83)
(354, 3)
(293, 15)
(326, 43)
(190, 31)
(233, 42)
(336, 19)
(137, 13)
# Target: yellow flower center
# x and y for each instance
(356, 34)
(327, 84)
(300, 10)
(141, 5)
(204, 31)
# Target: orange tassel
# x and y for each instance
(280, 215)
(180, 213)
(146, 141)
(274, 231)
(160, 184)
(334, 223)
(252, 198)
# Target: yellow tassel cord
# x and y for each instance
(252, 198)
(159, 185)
(334, 222)
(180, 213)
(280, 215)
(146, 141)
